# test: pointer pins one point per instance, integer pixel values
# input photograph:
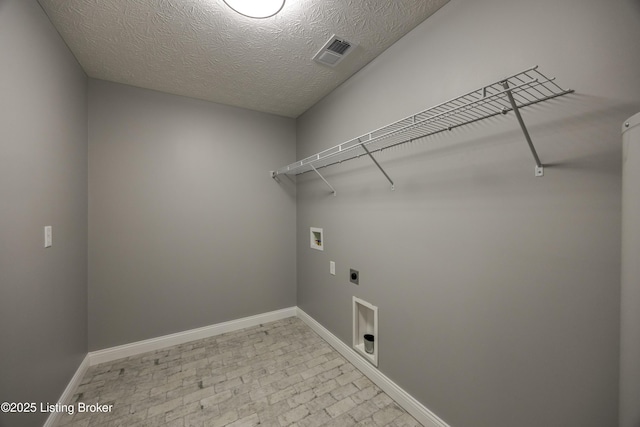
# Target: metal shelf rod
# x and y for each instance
(522, 125)
(393, 186)
(325, 181)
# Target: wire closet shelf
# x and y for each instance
(512, 93)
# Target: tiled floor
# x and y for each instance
(276, 374)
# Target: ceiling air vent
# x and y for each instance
(333, 51)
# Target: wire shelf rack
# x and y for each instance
(512, 93)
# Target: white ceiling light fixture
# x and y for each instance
(256, 8)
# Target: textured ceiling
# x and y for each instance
(203, 49)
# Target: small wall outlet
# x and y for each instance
(316, 239)
(354, 276)
(332, 267)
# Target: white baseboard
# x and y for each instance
(404, 399)
(67, 394)
(114, 353)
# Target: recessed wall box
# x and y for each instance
(365, 322)
(316, 238)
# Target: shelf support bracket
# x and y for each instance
(325, 181)
(379, 167)
(539, 170)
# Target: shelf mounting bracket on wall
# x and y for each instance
(325, 181)
(393, 187)
(539, 170)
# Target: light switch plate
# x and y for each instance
(332, 267)
(48, 236)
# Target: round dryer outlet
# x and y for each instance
(354, 276)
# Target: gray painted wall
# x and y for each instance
(186, 227)
(498, 292)
(43, 181)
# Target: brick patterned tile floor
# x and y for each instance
(277, 374)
